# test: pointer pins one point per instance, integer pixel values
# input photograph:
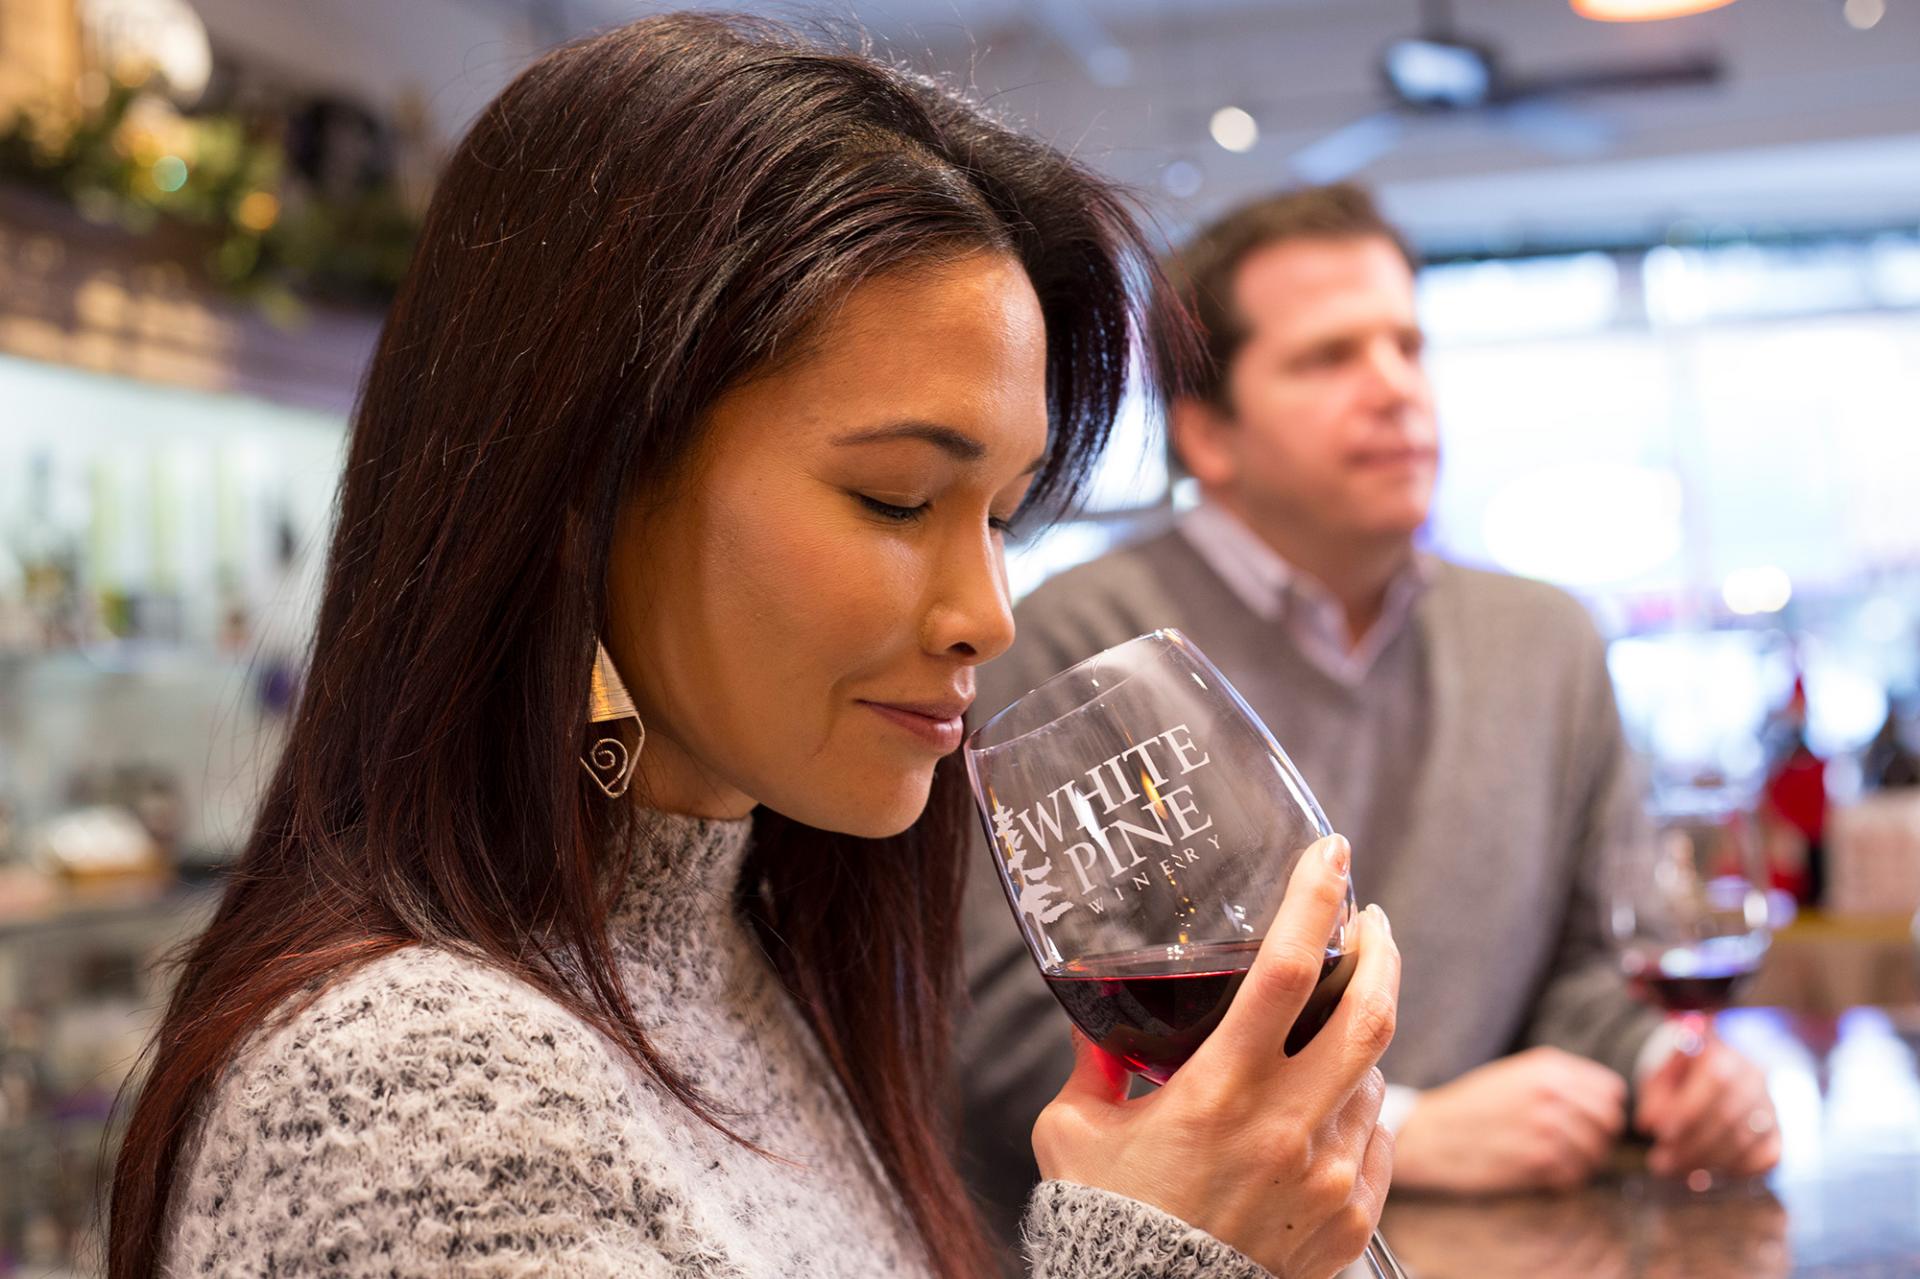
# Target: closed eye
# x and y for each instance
(891, 511)
(894, 513)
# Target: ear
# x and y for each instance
(1203, 439)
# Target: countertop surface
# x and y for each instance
(1845, 1200)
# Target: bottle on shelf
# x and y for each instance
(1889, 762)
(50, 612)
(1794, 804)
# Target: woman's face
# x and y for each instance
(799, 619)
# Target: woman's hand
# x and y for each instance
(1280, 1157)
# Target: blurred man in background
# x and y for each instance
(1459, 726)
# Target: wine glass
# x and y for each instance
(1144, 826)
(1687, 911)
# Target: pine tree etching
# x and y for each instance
(1035, 900)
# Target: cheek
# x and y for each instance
(768, 581)
(1292, 445)
(817, 611)
(802, 606)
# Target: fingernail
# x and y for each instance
(1386, 925)
(1337, 852)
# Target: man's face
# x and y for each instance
(1332, 422)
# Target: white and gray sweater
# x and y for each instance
(430, 1115)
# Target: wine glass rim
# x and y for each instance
(1165, 635)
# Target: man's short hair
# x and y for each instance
(1200, 275)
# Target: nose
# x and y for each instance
(1398, 377)
(969, 615)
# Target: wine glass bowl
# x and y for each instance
(1144, 824)
(1689, 915)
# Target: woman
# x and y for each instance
(737, 355)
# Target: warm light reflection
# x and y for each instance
(1153, 795)
(258, 210)
(1643, 10)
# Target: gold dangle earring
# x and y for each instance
(609, 760)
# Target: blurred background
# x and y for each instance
(1672, 292)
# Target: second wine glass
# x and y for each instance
(1688, 911)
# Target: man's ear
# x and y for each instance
(1201, 437)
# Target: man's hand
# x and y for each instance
(1541, 1118)
(1708, 1110)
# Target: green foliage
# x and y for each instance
(217, 186)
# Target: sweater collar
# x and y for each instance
(683, 871)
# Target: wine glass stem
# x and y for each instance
(1693, 1028)
(1380, 1257)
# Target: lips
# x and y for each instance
(936, 722)
(1394, 456)
(1408, 456)
(937, 708)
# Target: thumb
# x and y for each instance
(1097, 1076)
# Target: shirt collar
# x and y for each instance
(1253, 570)
(1275, 591)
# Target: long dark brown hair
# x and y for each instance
(639, 221)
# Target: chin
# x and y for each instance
(881, 805)
(1400, 520)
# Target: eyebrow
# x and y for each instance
(956, 444)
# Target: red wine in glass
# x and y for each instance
(1153, 1007)
(1701, 978)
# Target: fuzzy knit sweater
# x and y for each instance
(430, 1115)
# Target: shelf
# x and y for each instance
(122, 657)
(94, 908)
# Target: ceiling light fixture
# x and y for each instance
(1234, 129)
(167, 36)
(1425, 72)
(1643, 10)
(1864, 15)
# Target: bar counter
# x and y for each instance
(1844, 1202)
